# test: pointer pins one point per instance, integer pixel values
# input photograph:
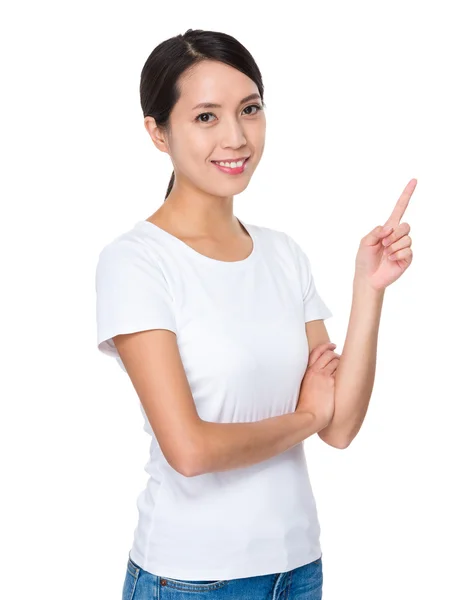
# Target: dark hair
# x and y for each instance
(159, 89)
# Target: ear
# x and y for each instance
(156, 134)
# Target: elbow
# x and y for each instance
(342, 445)
(190, 467)
(334, 442)
(193, 463)
(188, 463)
(182, 466)
(339, 445)
(184, 452)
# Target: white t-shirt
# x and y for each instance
(241, 335)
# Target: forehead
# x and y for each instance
(214, 81)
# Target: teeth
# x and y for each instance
(232, 165)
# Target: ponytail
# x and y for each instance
(170, 185)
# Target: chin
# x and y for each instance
(233, 189)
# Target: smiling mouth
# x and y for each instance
(231, 170)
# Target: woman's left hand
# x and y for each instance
(383, 256)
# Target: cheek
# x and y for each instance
(198, 147)
(256, 136)
(193, 152)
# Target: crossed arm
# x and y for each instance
(354, 378)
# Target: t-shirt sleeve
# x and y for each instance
(132, 293)
(314, 306)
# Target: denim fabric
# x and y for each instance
(302, 583)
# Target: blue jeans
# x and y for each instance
(302, 583)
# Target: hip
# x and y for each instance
(302, 583)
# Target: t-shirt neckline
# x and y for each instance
(152, 228)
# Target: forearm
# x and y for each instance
(226, 446)
(354, 378)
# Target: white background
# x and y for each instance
(361, 97)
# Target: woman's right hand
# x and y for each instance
(317, 393)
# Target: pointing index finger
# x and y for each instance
(402, 204)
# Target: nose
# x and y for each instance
(232, 134)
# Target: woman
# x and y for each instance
(219, 325)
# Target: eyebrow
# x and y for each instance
(212, 105)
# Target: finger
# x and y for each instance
(332, 366)
(378, 233)
(402, 204)
(335, 366)
(405, 242)
(405, 254)
(324, 360)
(399, 232)
(319, 350)
(327, 349)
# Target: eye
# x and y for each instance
(257, 106)
(198, 118)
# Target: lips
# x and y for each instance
(230, 170)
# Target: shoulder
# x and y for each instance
(127, 247)
(130, 261)
(280, 241)
(274, 237)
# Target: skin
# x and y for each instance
(199, 208)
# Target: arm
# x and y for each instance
(355, 374)
(354, 377)
(317, 335)
(227, 446)
(190, 445)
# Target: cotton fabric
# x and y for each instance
(240, 330)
